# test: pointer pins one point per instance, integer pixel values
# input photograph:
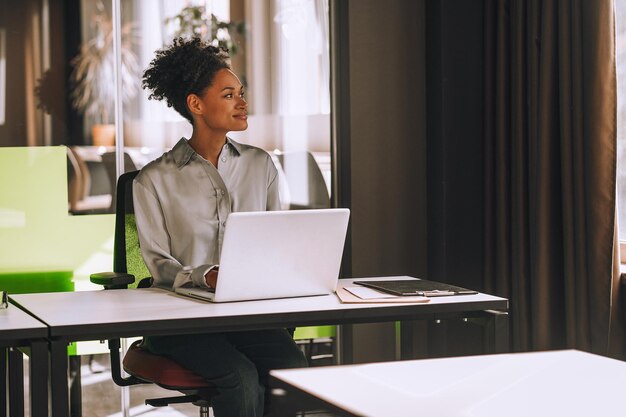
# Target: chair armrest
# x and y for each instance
(116, 369)
(112, 280)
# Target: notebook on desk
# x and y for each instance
(416, 287)
(278, 254)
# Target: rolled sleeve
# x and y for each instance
(198, 276)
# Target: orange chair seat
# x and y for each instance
(160, 370)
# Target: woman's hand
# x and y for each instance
(211, 277)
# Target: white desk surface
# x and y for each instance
(17, 325)
(556, 383)
(138, 311)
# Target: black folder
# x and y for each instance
(413, 287)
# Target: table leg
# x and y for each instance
(413, 340)
(3, 382)
(58, 378)
(76, 403)
(497, 331)
(39, 378)
(343, 345)
(283, 406)
(16, 383)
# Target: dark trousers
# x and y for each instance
(238, 363)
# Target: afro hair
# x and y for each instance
(183, 68)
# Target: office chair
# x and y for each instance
(307, 188)
(108, 159)
(79, 187)
(130, 272)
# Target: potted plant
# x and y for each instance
(92, 77)
(194, 21)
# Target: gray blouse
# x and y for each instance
(182, 203)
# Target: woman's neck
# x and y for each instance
(207, 146)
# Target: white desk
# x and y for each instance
(97, 315)
(18, 329)
(558, 383)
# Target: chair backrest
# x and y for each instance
(108, 159)
(78, 178)
(307, 188)
(126, 252)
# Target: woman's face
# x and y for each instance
(223, 107)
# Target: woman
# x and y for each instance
(182, 201)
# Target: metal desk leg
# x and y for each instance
(343, 345)
(39, 378)
(16, 383)
(413, 339)
(406, 344)
(3, 382)
(58, 378)
(497, 335)
(76, 406)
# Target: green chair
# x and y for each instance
(130, 272)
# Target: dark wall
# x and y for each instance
(385, 143)
(381, 146)
(408, 137)
(454, 72)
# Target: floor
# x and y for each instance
(102, 398)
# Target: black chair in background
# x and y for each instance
(108, 159)
(131, 271)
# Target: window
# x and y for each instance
(620, 55)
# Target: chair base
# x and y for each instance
(180, 399)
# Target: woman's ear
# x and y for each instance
(194, 104)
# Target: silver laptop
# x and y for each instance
(277, 254)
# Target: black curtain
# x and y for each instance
(550, 170)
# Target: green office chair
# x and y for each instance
(130, 272)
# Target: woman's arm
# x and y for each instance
(154, 241)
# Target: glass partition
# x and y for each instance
(59, 154)
(57, 85)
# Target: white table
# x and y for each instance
(557, 383)
(98, 315)
(19, 329)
